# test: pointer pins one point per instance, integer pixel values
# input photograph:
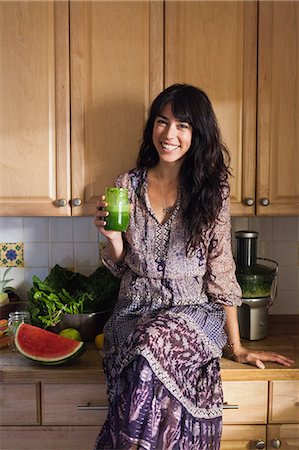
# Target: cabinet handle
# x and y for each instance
(228, 406)
(249, 201)
(264, 201)
(60, 202)
(260, 444)
(276, 443)
(76, 202)
(90, 407)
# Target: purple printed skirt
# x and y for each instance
(164, 386)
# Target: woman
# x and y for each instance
(177, 302)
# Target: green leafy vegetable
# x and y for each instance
(64, 291)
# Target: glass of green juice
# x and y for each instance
(118, 208)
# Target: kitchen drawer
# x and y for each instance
(19, 404)
(243, 437)
(284, 402)
(48, 438)
(245, 402)
(73, 404)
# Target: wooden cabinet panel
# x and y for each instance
(213, 46)
(34, 97)
(49, 438)
(284, 402)
(73, 404)
(245, 402)
(116, 70)
(278, 111)
(284, 437)
(19, 404)
(242, 437)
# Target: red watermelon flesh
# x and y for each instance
(46, 347)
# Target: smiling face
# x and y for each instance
(171, 137)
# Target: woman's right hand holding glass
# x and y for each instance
(100, 222)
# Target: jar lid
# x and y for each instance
(247, 234)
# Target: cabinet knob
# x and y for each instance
(249, 201)
(76, 202)
(60, 202)
(260, 444)
(276, 443)
(264, 201)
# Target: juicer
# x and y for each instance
(258, 280)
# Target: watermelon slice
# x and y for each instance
(46, 347)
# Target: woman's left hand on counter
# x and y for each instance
(258, 357)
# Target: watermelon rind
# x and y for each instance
(45, 347)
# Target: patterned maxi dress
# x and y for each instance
(164, 339)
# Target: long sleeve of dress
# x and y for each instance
(221, 283)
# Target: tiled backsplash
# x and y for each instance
(43, 242)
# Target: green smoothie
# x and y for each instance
(117, 220)
(118, 207)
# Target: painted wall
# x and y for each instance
(34, 245)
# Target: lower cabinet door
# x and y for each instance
(283, 436)
(243, 437)
(48, 438)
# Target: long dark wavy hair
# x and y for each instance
(205, 168)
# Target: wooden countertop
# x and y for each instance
(283, 338)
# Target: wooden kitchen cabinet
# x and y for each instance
(278, 109)
(244, 414)
(116, 71)
(215, 45)
(283, 431)
(35, 118)
(26, 411)
(77, 79)
(212, 45)
(105, 59)
(74, 404)
(243, 437)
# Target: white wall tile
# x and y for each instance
(264, 227)
(86, 254)
(265, 249)
(36, 229)
(61, 229)
(36, 254)
(287, 302)
(285, 253)
(85, 230)
(11, 229)
(288, 278)
(285, 229)
(62, 254)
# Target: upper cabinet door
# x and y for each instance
(212, 45)
(278, 109)
(34, 125)
(116, 71)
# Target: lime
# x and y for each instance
(71, 333)
(99, 341)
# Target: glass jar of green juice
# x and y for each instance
(118, 208)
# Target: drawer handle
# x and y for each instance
(228, 406)
(90, 407)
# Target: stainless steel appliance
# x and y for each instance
(258, 280)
